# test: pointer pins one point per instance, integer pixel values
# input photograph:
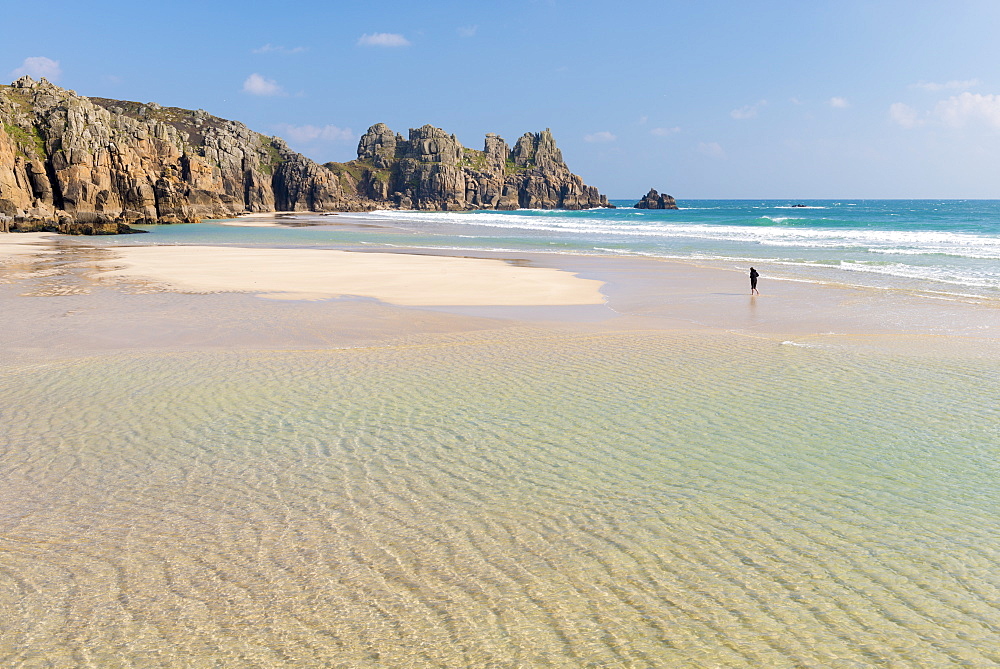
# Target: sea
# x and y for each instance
(944, 248)
(526, 495)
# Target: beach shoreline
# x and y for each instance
(207, 296)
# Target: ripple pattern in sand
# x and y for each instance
(502, 500)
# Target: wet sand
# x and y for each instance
(141, 297)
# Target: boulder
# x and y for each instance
(653, 200)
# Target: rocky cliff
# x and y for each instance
(77, 164)
(92, 165)
(431, 170)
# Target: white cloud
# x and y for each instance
(383, 39)
(38, 67)
(665, 132)
(749, 111)
(602, 136)
(311, 133)
(468, 31)
(271, 48)
(960, 110)
(711, 149)
(258, 85)
(957, 111)
(838, 103)
(904, 115)
(953, 85)
(643, 120)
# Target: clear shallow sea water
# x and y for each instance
(503, 499)
(948, 249)
(520, 497)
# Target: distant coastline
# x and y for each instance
(144, 164)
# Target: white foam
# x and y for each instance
(968, 278)
(822, 248)
(953, 243)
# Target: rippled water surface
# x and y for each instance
(503, 499)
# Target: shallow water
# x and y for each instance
(515, 498)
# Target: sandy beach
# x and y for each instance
(24, 244)
(286, 297)
(396, 278)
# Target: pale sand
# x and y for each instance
(395, 278)
(262, 219)
(273, 214)
(61, 295)
(246, 223)
(24, 243)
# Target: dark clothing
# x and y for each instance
(753, 278)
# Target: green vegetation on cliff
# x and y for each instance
(353, 173)
(273, 156)
(474, 159)
(30, 144)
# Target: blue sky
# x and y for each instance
(879, 99)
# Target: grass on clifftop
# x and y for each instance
(476, 160)
(17, 96)
(183, 120)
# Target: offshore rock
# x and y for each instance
(653, 200)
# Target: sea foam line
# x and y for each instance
(903, 241)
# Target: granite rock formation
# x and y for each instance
(75, 164)
(653, 200)
(431, 170)
(70, 163)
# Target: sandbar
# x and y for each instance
(268, 219)
(246, 223)
(402, 279)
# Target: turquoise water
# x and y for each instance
(944, 248)
(503, 499)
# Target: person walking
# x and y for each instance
(753, 281)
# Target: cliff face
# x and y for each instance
(91, 165)
(76, 164)
(432, 171)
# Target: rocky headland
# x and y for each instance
(653, 200)
(431, 170)
(74, 164)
